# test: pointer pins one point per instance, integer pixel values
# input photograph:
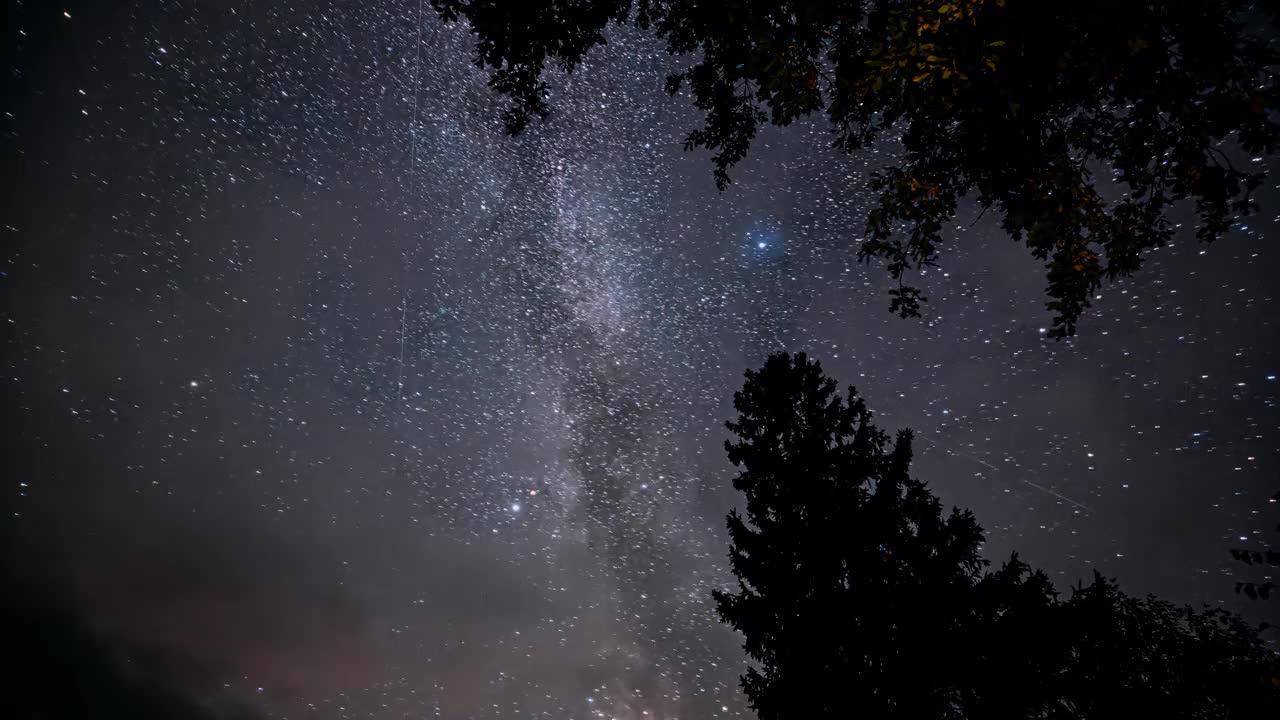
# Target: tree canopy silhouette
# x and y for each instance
(1265, 557)
(1079, 123)
(858, 594)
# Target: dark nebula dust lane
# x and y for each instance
(325, 396)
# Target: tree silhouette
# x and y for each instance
(857, 594)
(1022, 104)
(837, 554)
(1144, 657)
(1265, 557)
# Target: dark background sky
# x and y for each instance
(323, 398)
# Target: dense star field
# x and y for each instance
(332, 400)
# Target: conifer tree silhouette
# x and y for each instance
(858, 596)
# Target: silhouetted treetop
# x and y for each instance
(1266, 557)
(840, 555)
(1078, 123)
(858, 596)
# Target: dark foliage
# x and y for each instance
(1022, 104)
(857, 593)
(1266, 557)
(1143, 657)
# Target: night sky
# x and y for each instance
(325, 398)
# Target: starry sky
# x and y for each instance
(325, 398)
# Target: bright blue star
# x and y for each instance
(765, 240)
